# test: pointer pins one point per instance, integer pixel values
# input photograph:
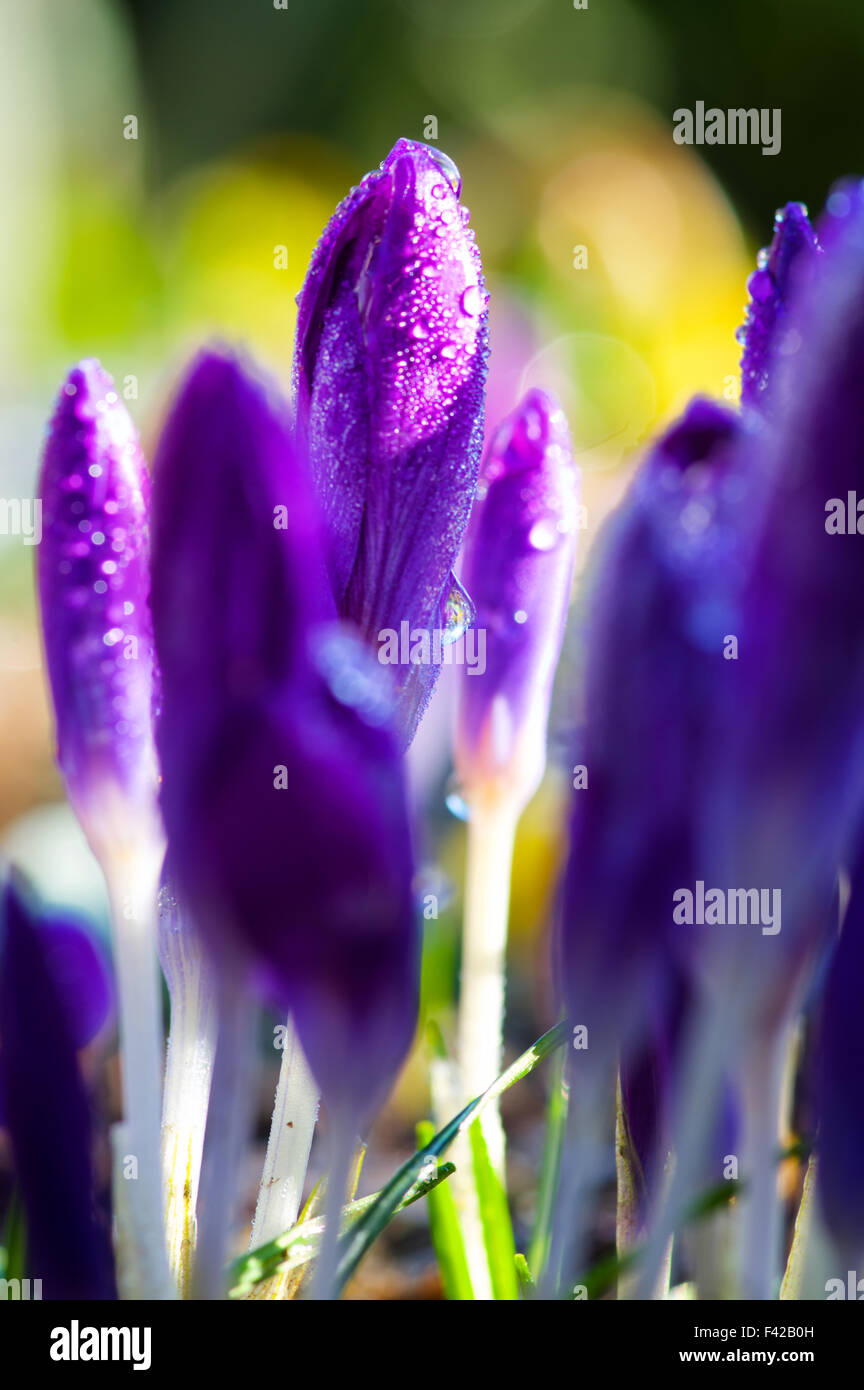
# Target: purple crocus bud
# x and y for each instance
(656, 619)
(93, 588)
(792, 252)
(47, 1115)
(390, 368)
(282, 794)
(519, 561)
(795, 752)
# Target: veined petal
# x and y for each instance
(389, 378)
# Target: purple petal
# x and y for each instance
(283, 796)
(47, 1114)
(795, 749)
(519, 560)
(80, 975)
(389, 376)
(654, 655)
(793, 250)
(93, 587)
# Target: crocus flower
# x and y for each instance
(93, 587)
(654, 654)
(792, 762)
(282, 795)
(47, 1113)
(519, 560)
(792, 253)
(390, 367)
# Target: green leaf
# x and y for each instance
(299, 1245)
(523, 1271)
(363, 1232)
(556, 1120)
(495, 1219)
(13, 1251)
(446, 1234)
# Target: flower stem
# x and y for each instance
(491, 836)
(189, 1070)
(760, 1210)
(143, 1273)
(294, 1114)
(227, 1131)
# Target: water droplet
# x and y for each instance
(419, 330)
(760, 285)
(838, 204)
(447, 167)
(449, 350)
(456, 803)
(459, 613)
(741, 334)
(762, 257)
(543, 534)
(520, 616)
(471, 301)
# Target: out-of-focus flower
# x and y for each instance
(772, 285)
(654, 656)
(282, 787)
(47, 1113)
(390, 367)
(80, 976)
(519, 560)
(93, 588)
(787, 793)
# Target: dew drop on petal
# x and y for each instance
(459, 613)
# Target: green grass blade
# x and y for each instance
(364, 1232)
(495, 1220)
(446, 1234)
(556, 1121)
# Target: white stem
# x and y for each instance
(189, 1070)
(491, 835)
(342, 1151)
(294, 1114)
(760, 1210)
(228, 1123)
(143, 1273)
(697, 1106)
